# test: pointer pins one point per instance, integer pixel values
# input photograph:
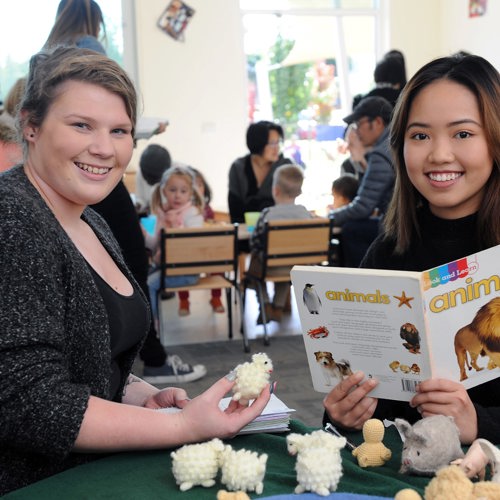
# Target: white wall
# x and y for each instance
(198, 84)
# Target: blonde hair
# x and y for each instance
(289, 179)
(14, 97)
(185, 173)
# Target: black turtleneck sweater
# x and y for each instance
(440, 241)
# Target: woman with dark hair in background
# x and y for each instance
(80, 23)
(251, 176)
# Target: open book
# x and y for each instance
(402, 327)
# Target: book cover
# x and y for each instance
(402, 327)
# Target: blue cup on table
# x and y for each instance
(251, 219)
(149, 224)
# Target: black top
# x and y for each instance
(440, 241)
(128, 317)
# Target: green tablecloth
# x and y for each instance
(147, 475)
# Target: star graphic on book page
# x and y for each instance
(404, 300)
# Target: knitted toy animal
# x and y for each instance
(319, 464)
(474, 463)
(430, 444)
(451, 483)
(252, 377)
(197, 464)
(243, 470)
(372, 452)
(229, 495)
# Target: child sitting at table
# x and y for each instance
(287, 185)
(344, 189)
(176, 203)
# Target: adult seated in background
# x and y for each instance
(359, 224)
(154, 160)
(119, 212)
(356, 163)
(251, 176)
(11, 103)
(73, 316)
(80, 23)
(287, 185)
(10, 150)
(389, 76)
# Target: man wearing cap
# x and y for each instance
(360, 219)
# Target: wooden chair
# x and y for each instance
(289, 243)
(203, 250)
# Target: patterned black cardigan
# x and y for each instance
(54, 337)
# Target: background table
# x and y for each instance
(147, 475)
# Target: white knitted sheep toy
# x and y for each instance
(243, 470)
(252, 377)
(194, 464)
(319, 464)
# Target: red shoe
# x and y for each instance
(216, 304)
(184, 307)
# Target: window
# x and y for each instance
(306, 59)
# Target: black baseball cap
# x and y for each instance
(371, 107)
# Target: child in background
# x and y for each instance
(287, 185)
(445, 136)
(208, 216)
(344, 189)
(154, 160)
(176, 203)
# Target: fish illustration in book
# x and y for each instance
(311, 299)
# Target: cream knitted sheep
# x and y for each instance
(243, 470)
(252, 377)
(319, 464)
(197, 464)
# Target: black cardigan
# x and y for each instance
(54, 342)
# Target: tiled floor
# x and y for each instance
(203, 325)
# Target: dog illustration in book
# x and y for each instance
(409, 333)
(311, 299)
(334, 371)
(479, 338)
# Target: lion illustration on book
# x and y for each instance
(480, 338)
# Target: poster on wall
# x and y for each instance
(175, 18)
(477, 8)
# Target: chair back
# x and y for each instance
(297, 242)
(197, 250)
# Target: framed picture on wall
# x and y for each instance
(175, 19)
(477, 8)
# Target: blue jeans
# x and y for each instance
(170, 281)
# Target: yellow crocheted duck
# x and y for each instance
(372, 452)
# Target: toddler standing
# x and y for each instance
(176, 203)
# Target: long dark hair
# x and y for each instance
(74, 19)
(483, 80)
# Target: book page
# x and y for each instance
(463, 315)
(355, 319)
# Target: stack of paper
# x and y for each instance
(274, 418)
